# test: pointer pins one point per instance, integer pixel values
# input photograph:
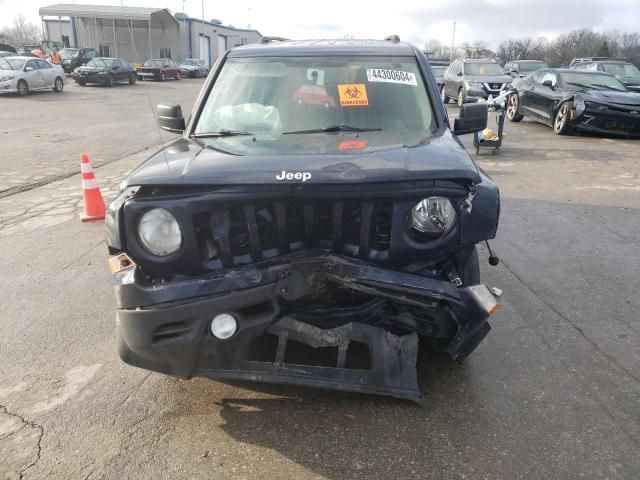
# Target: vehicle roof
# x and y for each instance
(526, 61)
(22, 57)
(478, 60)
(573, 70)
(325, 47)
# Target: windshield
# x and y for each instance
(482, 69)
(439, 71)
(100, 62)
(592, 80)
(528, 67)
(69, 52)
(622, 69)
(153, 63)
(11, 63)
(284, 99)
(190, 61)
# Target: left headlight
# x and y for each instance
(474, 84)
(434, 216)
(6, 78)
(159, 232)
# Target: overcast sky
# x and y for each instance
(414, 20)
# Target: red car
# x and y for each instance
(159, 69)
(313, 95)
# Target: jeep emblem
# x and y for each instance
(304, 176)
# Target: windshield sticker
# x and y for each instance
(353, 95)
(391, 76)
(352, 144)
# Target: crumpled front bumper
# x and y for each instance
(165, 327)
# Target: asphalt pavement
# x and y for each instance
(552, 392)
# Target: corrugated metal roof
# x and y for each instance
(101, 11)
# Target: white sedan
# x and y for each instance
(24, 74)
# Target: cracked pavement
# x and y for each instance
(553, 392)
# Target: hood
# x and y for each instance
(86, 68)
(489, 78)
(149, 68)
(191, 162)
(188, 67)
(611, 97)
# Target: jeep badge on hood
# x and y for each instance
(304, 176)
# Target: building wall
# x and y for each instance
(130, 40)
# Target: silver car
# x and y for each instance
(193, 67)
(22, 75)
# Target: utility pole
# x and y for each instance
(453, 42)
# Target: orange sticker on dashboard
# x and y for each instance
(353, 95)
(352, 144)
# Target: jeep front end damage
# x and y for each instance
(307, 318)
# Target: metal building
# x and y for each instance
(138, 33)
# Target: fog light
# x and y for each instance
(223, 326)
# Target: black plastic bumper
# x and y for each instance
(165, 328)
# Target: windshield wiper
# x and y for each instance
(333, 128)
(581, 85)
(221, 133)
(607, 87)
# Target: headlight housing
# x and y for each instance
(159, 232)
(474, 84)
(433, 216)
(6, 78)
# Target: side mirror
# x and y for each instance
(459, 74)
(170, 118)
(116, 67)
(29, 69)
(514, 72)
(548, 83)
(473, 118)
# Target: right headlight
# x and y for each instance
(434, 216)
(159, 232)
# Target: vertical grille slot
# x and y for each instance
(221, 230)
(283, 231)
(252, 228)
(381, 227)
(366, 219)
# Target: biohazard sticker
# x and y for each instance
(353, 95)
(391, 76)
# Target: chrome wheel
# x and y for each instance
(58, 85)
(443, 96)
(460, 97)
(561, 123)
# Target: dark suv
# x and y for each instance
(315, 223)
(71, 58)
(469, 80)
(626, 72)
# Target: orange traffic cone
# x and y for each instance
(93, 203)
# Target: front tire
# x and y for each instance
(58, 85)
(513, 108)
(178, 76)
(23, 88)
(112, 81)
(562, 118)
(462, 97)
(132, 79)
(443, 96)
(162, 77)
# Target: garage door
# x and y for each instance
(222, 44)
(205, 49)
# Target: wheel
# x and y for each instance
(443, 96)
(513, 104)
(23, 88)
(178, 76)
(461, 97)
(58, 85)
(132, 79)
(82, 83)
(112, 81)
(162, 77)
(561, 120)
